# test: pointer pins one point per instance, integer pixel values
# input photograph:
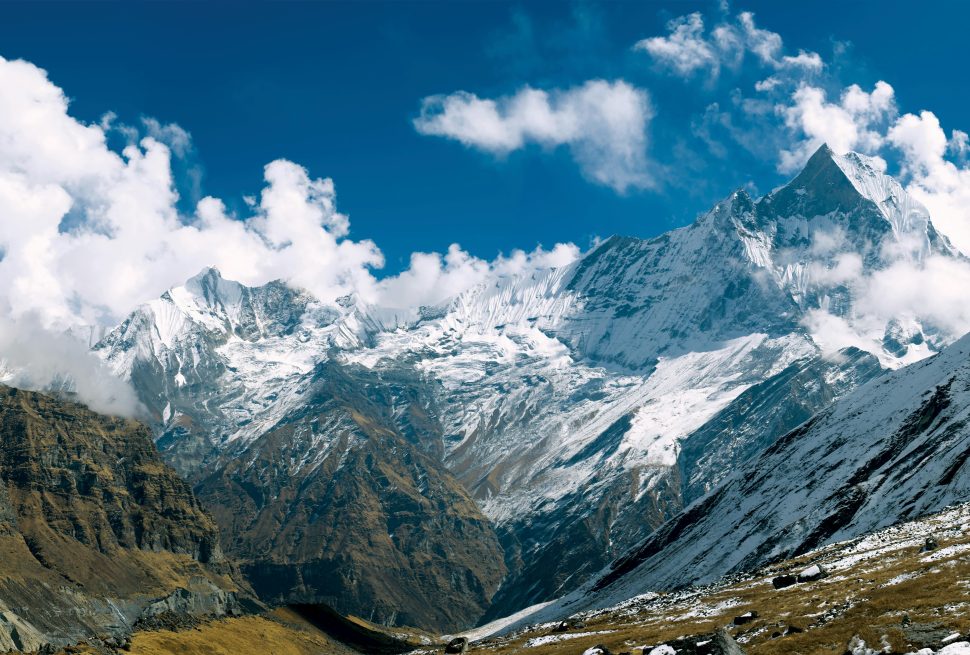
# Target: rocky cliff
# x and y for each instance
(95, 531)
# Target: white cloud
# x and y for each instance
(765, 44)
(87, 233)
(940, 184)
(33, 358)
(934, 289)
(768, 84)
(809, 61)
(959, 143)
(921, 139)
(687, 50)
(855, 122)
(909, 289)
(432, 278)
(604, 125)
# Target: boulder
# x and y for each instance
(812, 573)
(747, 617)
(930, 544)
(457, 645)
(924, 635)
(719, 643)
(782, 581)
(725, 644)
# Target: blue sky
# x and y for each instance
(335, 87)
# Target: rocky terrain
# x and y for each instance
(899, 590)
(97, 534)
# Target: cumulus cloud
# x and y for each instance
(688, 49)
(604, 125)
(685, 50)
(906, 293)
(940, 184)
(854, 122)
(432, 278)
(88, 232)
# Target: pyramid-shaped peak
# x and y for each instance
(828, 182)
(208, 284)
(207, 273)
(822, 168)
(827, 171)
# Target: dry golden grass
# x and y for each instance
(275, 635)
(855, 600)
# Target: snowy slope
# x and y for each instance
(215, 361)
(893, 450)
(578, 406)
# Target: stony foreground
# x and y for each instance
(900, 590)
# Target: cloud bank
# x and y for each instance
(603, 124)
(88, 232)
(33, 358)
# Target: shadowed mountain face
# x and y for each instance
(579, 407)
(94, 528)
(335, 505)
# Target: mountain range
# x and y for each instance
(449, 464)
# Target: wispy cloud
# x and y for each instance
(688, 48)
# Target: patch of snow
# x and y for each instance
(498, 625)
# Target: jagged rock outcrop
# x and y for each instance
(93, 526)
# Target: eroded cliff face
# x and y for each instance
(94, 528)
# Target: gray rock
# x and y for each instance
(812, 573)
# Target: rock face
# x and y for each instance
(580, 407)
(93, 526)
(361, 519)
